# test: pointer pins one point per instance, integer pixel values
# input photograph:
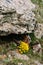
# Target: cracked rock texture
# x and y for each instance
(16, 16)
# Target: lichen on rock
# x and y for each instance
(16, 16)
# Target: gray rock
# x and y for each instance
(39, 31)
(16, 16)
(17, 55)
(37, 62)
(20, 63)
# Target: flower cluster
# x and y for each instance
(23, 47)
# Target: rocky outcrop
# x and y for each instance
(16, 16)
(39, 31)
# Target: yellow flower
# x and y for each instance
(23, 47)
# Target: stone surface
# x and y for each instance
(17, 55)
(16, 16)
(39, 31)
(37, 62)
(37, 49)
(20, 64)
